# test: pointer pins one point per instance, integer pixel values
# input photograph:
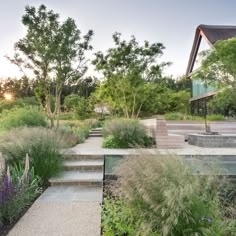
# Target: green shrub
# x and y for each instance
(124, 133)
(118, 218)
(82, 132)
(42, 145)
(18, 103)
(168, 199)
(67, 116)
(110, 142)
(180, 116)
(71, 139)
(77, 132)
(22, 117)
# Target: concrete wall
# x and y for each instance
(218, 141)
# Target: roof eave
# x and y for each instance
(196, 44)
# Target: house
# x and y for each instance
(202, 93)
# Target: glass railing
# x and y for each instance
(226, 167)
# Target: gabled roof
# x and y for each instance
(211, 33)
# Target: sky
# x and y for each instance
(171, 22)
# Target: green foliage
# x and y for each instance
(181, 116)
(19, 88)
(215, 117)
(118, 218)
(160, 99)
(79, 131)
(175, 84)
(66, 116)
(83, 109)
(22, 117)
(42, 145)
(54, 51)
(167, 199)
(22, 195)
(81, 106)
(124, 133)
(218, 63)
(17, 103)
(126, 67)
(68, 133)
(71, 102)
(224, 102)
(110, 142)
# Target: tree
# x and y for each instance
(126, 68)
(20, 88)
(218, 64)
(54, 52)
(161, 99)
(224, 102)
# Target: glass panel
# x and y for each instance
(111, 161)
(224, 167)
(199, 88)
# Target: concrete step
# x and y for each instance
(96, 131)
(80, 178)
(84, 165)
(83, 157)
(72, 194)
(95, 135)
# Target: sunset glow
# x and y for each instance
(8, 96)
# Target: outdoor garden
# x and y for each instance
(55, 104)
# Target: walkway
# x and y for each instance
(66, 210)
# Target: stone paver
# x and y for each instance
(93, 146)
(72, 194)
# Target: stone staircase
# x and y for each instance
(97, 132)
(82, 170)
(81, 179)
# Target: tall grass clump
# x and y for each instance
(22, 117)
(215, 117)
(19, 186)
(166, 198)
(42, 145)
(124, 133)
(78, 131)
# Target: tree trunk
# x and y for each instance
(52, 124)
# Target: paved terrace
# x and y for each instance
(93, 146)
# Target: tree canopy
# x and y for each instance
(218, 64)
(127, 67)
(54, 52)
